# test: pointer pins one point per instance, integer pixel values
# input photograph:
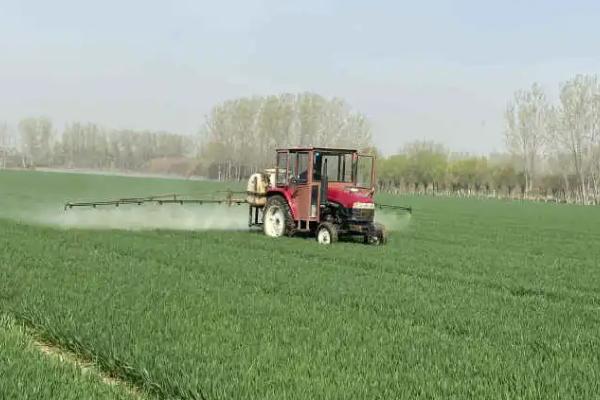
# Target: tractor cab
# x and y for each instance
(345, 176)
(322, 188)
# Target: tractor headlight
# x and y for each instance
(363, 206)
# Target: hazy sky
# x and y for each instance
(440, 70)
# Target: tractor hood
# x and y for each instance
(347, 195)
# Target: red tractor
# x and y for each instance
(324, 191)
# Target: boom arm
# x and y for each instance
(160, 200)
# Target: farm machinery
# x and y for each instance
(326, 192)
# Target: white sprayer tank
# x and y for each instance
(257, 189)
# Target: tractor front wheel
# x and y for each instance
(378, 236)
(277, 218)
(327, 233)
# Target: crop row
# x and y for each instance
(26, 373)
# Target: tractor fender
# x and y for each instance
(287, 195)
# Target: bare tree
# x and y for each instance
(526, 129)
(6, 144)
(576, 130)
(36, 138)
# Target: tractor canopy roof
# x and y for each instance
(324, 149)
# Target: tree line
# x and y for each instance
(553, 152)
(240, 136)
(35, 143)
(237, 138)
(557, 143)
(430, 168)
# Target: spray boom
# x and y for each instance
(160, 200)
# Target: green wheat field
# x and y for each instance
(475, 299)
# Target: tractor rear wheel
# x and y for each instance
(277, 218)
(327, 233)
